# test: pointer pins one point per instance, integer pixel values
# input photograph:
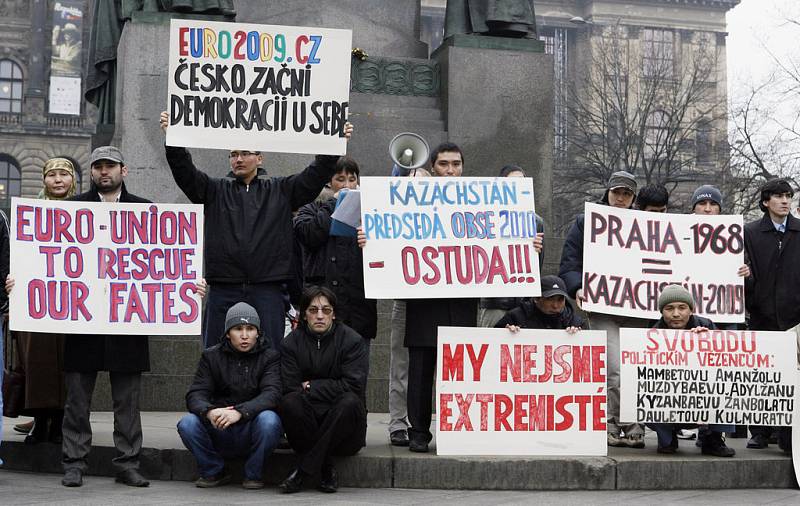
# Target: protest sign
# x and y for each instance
(630, 256)
(449, 237)
(742, 377)
(535, 392)
(258, 87)
(100, 268)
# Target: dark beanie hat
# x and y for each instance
(622, 179)
(674, 293)
(707, 192)
(241, 313)
(773, 187)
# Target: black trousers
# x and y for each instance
(316, 436)
(421, 371)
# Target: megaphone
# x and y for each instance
(409, 150)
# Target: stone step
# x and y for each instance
(384, 466)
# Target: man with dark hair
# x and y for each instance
(653, 198)
(248, 231)
(447, 159)
(232, 402)
(772, 249)
(707, 199)
(551, 310)
(324, 372)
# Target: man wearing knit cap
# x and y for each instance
(232, 402)
(707, 199)
(772, 249)
(677, 307)
(620, 193)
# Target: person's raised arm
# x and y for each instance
(192, 182)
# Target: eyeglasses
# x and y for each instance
(314, 310)
(244, 154)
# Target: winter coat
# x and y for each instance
(117, 353)
(249, 381)
(694, 321)
(340, 260)
(424, 316)
(528, 316)
(248, 227)
(334, 362)
(771, 292)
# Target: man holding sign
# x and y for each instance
(249, 222)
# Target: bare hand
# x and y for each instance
(201, 287)
(700, 329)
(579, 298)
(348, 130)
(306, 385)
(213, 416)
(573, 330)
(164, 121)
(538, 243)
(228, 417)
(512, 328)
(744, 271)
(9, 283)
(361, 237)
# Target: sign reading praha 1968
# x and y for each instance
(630, 256)
(258, 87)
(82, 267)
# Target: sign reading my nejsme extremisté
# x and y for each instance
(741, 377)
(630, 256)
(100, 268)
(258, 87)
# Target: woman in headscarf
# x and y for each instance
(41, 355)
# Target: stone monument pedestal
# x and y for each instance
(497, 96)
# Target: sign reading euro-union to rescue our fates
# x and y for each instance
(103, 268)
(258, 87)
(732, 377)
(535, 392)
(630, 256)
(449, 237)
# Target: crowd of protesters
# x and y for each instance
(269, 249)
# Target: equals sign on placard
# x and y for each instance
(654, 266)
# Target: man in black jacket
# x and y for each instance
(248, 231)
(550, 311)
(125, 357)
(232, 402)
(772, 249)
(324, 373)
(677, 312)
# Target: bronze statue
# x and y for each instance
(497, 18)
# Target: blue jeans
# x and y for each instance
(266, 298)
(664, 431)
(254, 439)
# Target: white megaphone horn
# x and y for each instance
(409, 150)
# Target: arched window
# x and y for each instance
(10, 87)
(10, 180)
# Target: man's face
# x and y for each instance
(107, 175)
(550, 305)
(448, 164)
(707, 207)
(655, 209)
(319, 314)
(779, 204)
(676, 314)
(620, 197)
(244, 164)
(344, 180)
(243, 337)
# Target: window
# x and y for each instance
(702, 141)
(10, 87)
(657, 134)
(10, 180)
(657, 53)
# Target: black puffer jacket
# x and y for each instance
(528, 316)
(335, 362)
(250, 381)
(249, 227)
(341, 262)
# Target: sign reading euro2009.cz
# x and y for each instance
(258, 87)
(102, 268)
(535, 392)
(734, 377)
(449, 237)
(630, 256)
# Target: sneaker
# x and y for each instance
(688, 434)
(635, 441)
(713, 444)
(399, 438)
(213, 481)
(615, 440)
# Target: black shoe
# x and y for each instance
(785, 439)
(293, 483)
(328, 480)
(24, 428)
(72, 478)
(758, 442)
(672, 447)
(283, 443)
(418, 445)
(132, 478)
(39, 432)
(713, 444)
(399, 438)
(213, 481)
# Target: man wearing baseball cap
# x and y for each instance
(549, 311)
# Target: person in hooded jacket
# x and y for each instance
(324, 374)
(232, 402)
(550, 311)
(248, 231)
